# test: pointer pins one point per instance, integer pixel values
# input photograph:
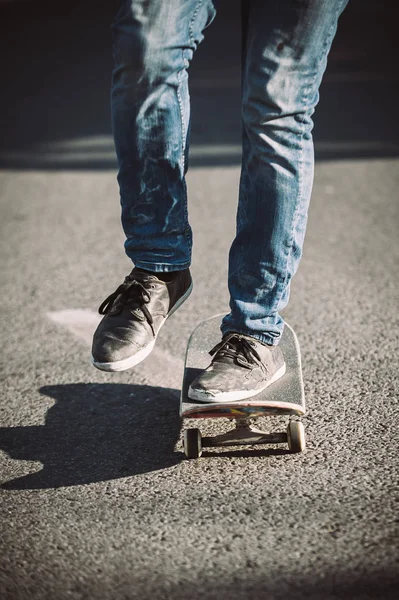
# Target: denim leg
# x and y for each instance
(285, 55)
(153, 44)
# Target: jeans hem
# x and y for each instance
(160, 267)
(265, 338)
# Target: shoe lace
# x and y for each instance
(131, 293)
(238, 348)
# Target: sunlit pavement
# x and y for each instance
(98, 501)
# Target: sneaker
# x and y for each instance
(241, 368)
(134, 314)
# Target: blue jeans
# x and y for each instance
(286, 43)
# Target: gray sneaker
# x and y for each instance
(241, 368)
(134, 314)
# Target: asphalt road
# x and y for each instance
(97, 500)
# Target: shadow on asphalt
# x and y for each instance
(97, 432)
(103, 431)
(290, 585)
(241, 453)
(317, 583)
(56, 63)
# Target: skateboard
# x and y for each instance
(284, 397)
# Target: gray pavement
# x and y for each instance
(97, 500)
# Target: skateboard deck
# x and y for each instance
(284, 397)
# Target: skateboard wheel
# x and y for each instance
(296, 436)
(192, 443)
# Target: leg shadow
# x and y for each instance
(97, 432)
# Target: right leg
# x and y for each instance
(154, 41)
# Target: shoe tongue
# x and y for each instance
(237, 356)
(142, 275)
(164, 277)
(233, 343)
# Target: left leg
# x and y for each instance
(286, 43)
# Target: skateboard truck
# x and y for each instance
(244, 434)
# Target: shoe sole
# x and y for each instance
(235, 396)
(138, 357)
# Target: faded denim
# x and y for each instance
(286, 43)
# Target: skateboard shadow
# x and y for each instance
(97, 432)
(247, 453)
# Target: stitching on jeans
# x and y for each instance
(184, 125)
(179, 76)
(182, 159)
(305, 99)
(191, 25)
